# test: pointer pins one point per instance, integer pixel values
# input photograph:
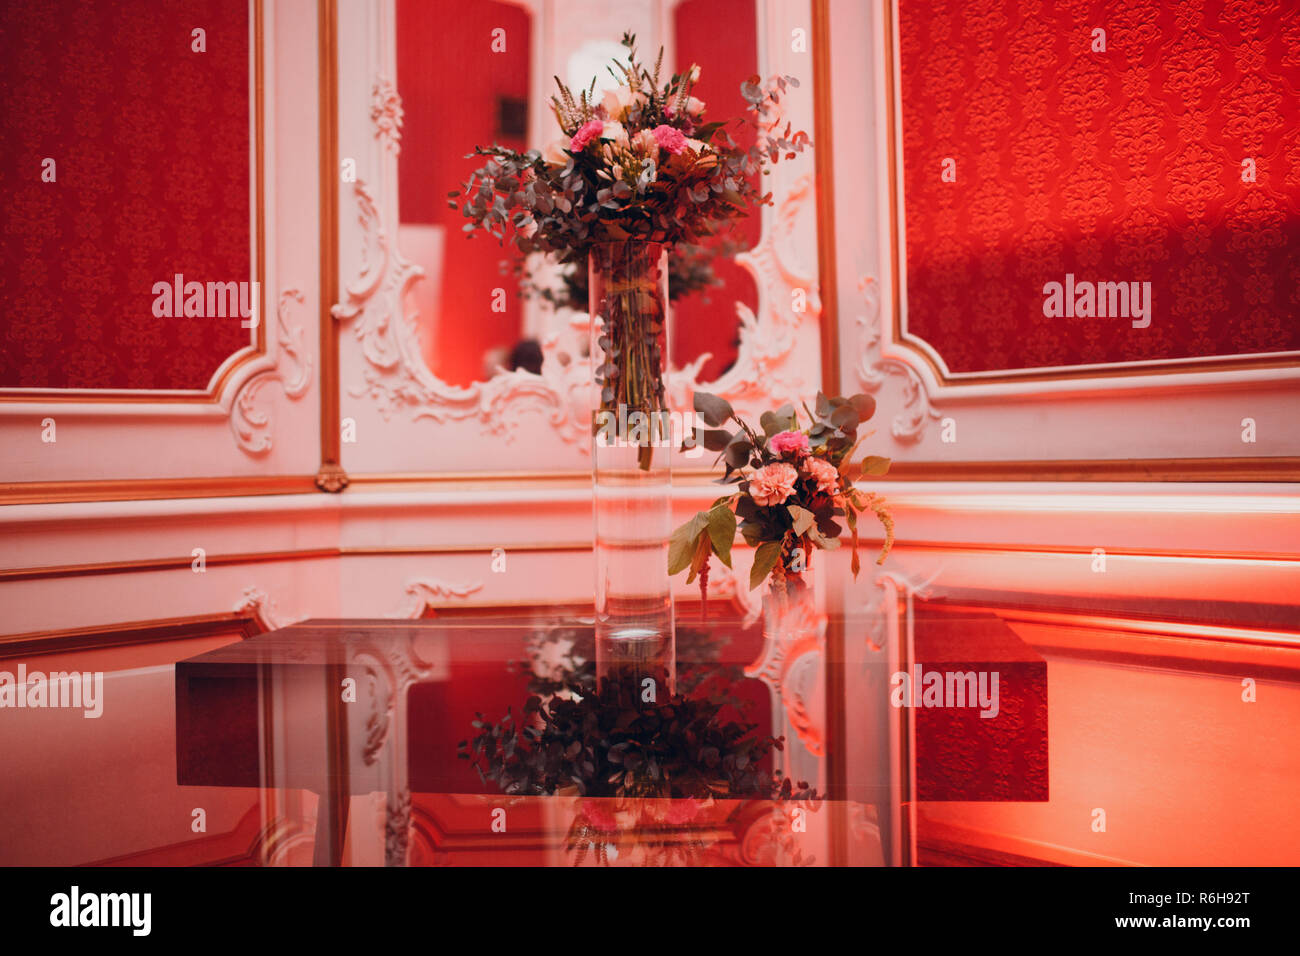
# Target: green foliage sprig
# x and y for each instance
(795, 486)
(639, 164)
(604, 742)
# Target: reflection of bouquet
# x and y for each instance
(795, 486)
(606, 742)
(648, 777)
(639, 164)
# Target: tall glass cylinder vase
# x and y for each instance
(632, 438)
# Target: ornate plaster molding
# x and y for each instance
(250, 420)
(874, 369)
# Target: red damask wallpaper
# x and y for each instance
(1127, 141)
(150, 146)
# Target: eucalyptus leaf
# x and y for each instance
(682, 544)
(716, 439)
(765, 558)
(722, 531)
(738, 452)
(875, 465)
(781, 420)
(845, 417)
(866, 406)
(712, 409)
(803, 519)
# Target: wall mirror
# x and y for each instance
(481, 72)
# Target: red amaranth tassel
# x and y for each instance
(704, 591)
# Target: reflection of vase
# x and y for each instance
(793, 626)
(631, 441)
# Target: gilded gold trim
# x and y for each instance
(1119, 469)
(178, 562)
(159, 564)
(1126, 469)
(1217, 363)
(506, 479)
(1061, 550)
(331, 477)
(1247, 638)
(824, 165)
(1281, 469)
(139, 489)
(211, 394)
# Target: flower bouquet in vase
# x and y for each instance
(637, 171)
(796, 494)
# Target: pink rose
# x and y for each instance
(669, 139)
(772, 484)
(589, 131)
(783, 442)
(824, 473)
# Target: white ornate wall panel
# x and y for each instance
(263, 421)
(1089, 416)
(406, 419)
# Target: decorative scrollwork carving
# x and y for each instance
(262, 608)
(873, 369)
(422, 592)
(397, 378)
(251, 424)
(386, 113)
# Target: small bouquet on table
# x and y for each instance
(796, 484)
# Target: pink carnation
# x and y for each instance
(772, 484)
(825, 474)
(669, 138)
(788, 441)
(586, 133)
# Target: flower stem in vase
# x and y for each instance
(632, 485)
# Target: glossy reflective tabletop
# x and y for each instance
(484, 737)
